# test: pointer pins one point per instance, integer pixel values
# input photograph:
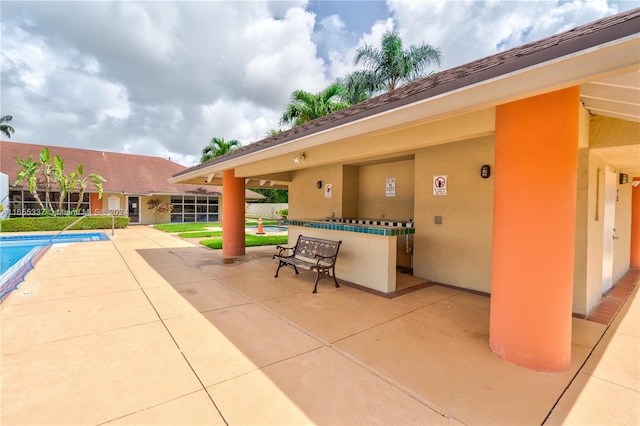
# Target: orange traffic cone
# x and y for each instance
(260, 230)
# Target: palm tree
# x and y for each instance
(6, 129)
(218, 147)
(49, 173)
(29, 173)
(76, 178)
(391, 66)
(356, 87)
(273, 132)
(304, 106)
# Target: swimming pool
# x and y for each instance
(19, 251)
(269, 228)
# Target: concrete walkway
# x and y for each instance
(150, 329)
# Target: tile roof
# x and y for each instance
(580, 38)
(125, 173)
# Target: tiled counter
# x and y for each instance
(367, 255)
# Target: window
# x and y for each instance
(194, 208)
(24, 204)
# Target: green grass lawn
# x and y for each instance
(185, 227)
(199, 230)
(250, 241)
(202, 226)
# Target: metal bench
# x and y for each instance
(312, 254)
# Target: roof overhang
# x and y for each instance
(608, 61)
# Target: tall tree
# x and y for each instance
(6, 129)
(357, 87)
(218, 147)
(304, 106)
(391, 66)
(49, 172)
(53, 172)
(83, 182)
(29, 172)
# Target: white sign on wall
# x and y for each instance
(328, 190)
(440, 185)
(114, 203)
(390, 187)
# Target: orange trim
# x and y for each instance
(536, 164)
(233, 211)
(95, 203)
(635, 226)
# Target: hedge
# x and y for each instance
(59, 223)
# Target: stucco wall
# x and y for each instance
(373, 202)
(587, 289)
(306, 201)
(147, 217)
(265, 210)
(585, 203)
(458, 251)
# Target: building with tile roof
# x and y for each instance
(516, 175)
(131, 181)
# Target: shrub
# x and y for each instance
(26, 224)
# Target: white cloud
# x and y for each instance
(162, 78)
(283, 58)
(466, 30)
(341, 60)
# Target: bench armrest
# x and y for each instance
(320, 257)
(282, 250)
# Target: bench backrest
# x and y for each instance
(309, 247)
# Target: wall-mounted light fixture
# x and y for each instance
(485, 171)
(319, 184)
(624, 178)
(298, 158)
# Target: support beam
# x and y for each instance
(536, 164)
(233, 197)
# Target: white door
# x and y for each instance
(609, 223)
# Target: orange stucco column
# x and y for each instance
(635, 225)
(536, 163)
(233, 214)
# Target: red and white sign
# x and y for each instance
(440, 185)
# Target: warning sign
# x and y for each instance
(390, 187)
(440, 185)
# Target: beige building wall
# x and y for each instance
(112, 202)
(307, 201)
(458, 251)
(585, 203)
(351, 191)
(373, 202)
(147, 216)
(587, 289)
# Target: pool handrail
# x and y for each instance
(74, 222)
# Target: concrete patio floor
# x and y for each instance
(150, 329)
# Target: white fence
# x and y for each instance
(265, 210)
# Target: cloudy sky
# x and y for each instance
(163, 77)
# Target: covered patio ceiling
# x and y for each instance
(616, 97)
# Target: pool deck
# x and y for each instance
(151, 329)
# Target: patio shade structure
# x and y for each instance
(557, 121)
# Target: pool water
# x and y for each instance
(11, 255)
(270, 228)
(17, 252)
